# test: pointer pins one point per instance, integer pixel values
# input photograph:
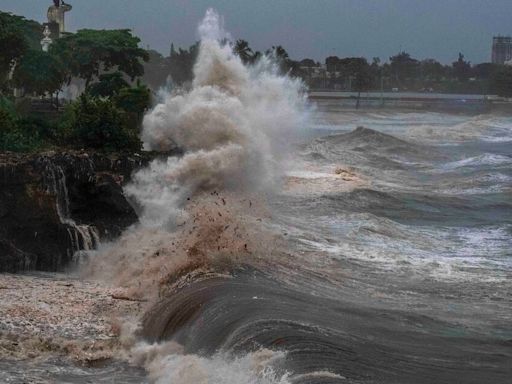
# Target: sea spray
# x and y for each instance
(202, 214)
(233, 125)
(168, 363)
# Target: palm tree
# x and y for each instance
(242, 49)
(280, 53)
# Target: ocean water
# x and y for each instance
(403, 278)
(299, 243)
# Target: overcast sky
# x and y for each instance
(306, 28)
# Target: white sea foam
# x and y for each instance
(485, 159)
(166, 363)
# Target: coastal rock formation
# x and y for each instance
(55, 205)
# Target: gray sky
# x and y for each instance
(306, 28)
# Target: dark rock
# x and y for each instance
(54, 204)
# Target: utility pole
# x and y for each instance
(381, 89)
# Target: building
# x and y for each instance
(501, 49)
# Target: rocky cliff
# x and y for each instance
(54, 205)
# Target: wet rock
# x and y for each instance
(54, 204)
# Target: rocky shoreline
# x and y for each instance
(54, 204)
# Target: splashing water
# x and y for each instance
(230, 124)
(200, 209)
(166, 363)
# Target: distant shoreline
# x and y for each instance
(476, 103)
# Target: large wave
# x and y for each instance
(201, 213)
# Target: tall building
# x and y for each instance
(501, 49)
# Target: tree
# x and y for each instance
(12, 46)
(108, 85)
(39, 72)
(282, 59)
(21, 134)
(241, 49)
(156, 69)
(331, 63)
(134, 100)
(484, 71)
(17, 35)
(310, 63)
(30, 30)
(461, 68)
(358, 70)
(97, 123)
(89, 52)
(181, 64)
(501, 81)
(7, 128)
(403, 67)
(432, 70)
(279, 53)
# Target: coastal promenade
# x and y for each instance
(416, 100)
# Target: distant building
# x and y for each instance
(501, 49)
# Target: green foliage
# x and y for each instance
(7, 119)
(89, 52)
(8, 137)
(308, 63)
(17, 35)
(281, 57)
(30, 30)
(22, 135)
(432, 70)
(286, 65)
(7, 105)
(181, 64)
(134, 100)
(99, 124)
(278, 52)
(156, 70)
(25, 134)
(39, 72)
(354, 71)
(462, 68)
(501, 81)
(92, 122)
(108, 85)
(12, 44)
(403, 67)
(360, 70)
(242, 49)
(484, 70)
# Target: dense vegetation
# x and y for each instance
(406, 73)
(106, 124)
(106, 116)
